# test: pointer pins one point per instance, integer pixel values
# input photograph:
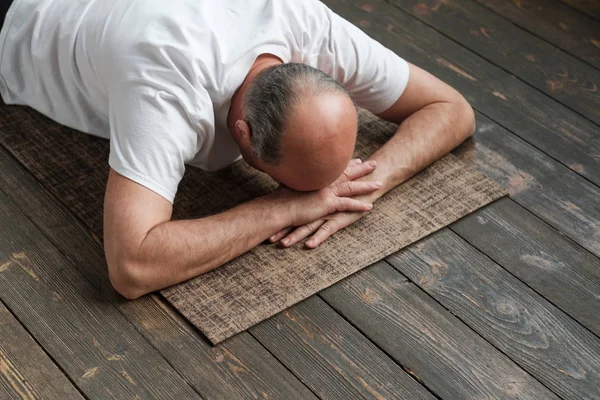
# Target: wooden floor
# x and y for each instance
(502, 304)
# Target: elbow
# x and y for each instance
(127, 280)
(467, 117)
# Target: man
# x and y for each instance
(205, 83)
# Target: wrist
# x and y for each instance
(389, 174)
(371, 197)
(277, 209)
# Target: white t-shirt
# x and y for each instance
(156, 77)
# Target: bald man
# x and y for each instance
(206, 83)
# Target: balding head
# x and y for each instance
(303, 126)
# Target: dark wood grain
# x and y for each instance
(554, 22)
(90, 340)
(536, 181)
(547, 261)
(549, 190)
(437, 348)
(26, 372)
(332, 357)
(532, 59)
(546, 342)
(563, 134)
(239, 368)
(588, 7)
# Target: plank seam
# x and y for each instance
(467, 325)
(486, 59)
(536, 35)
(570, 239)
(85, 230)
(60, 368)
(516, 277)
(100, 292)
(482, 112)
(249, 330)
(95, 244)
(166, 303)
(581, 11)
(534, 146)
(516, 200)
(404, 368)
(57, 200)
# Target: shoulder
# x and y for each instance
(310, 12)
(141, 30)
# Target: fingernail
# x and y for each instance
(358, 160)
(285, 242)
(372, 163)
(272, 238)
(378, 184)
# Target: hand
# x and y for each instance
(321, 229)
(305, 207)
(328, 225)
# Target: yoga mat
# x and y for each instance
(267, 279)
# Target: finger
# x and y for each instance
(348, 171)
(350, 188)
(358, 170)
(276, 237)
(324, 232)
(301, 232)
(348, 204)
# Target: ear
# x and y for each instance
(241, 132)
(243, 137)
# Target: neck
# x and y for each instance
(236, 111)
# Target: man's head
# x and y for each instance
(299, 126)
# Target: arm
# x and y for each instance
(152, 137)
(145, 251)
(434, 118)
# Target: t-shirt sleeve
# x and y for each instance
(374, 75)
(152, 136)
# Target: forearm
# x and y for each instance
(175, 251)
(421, 139)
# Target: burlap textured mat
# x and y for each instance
(267, 279)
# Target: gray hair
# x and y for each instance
(271, 97)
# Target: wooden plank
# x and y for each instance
(436, 347)
(552, 192)
(556, 23)
(543, 340)
(548, 125)
(238, 368)
(537, 62)
(26, 372)
(548, 262)
(88, 338)
(537, 182)
(588, 7)
(332, 357)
